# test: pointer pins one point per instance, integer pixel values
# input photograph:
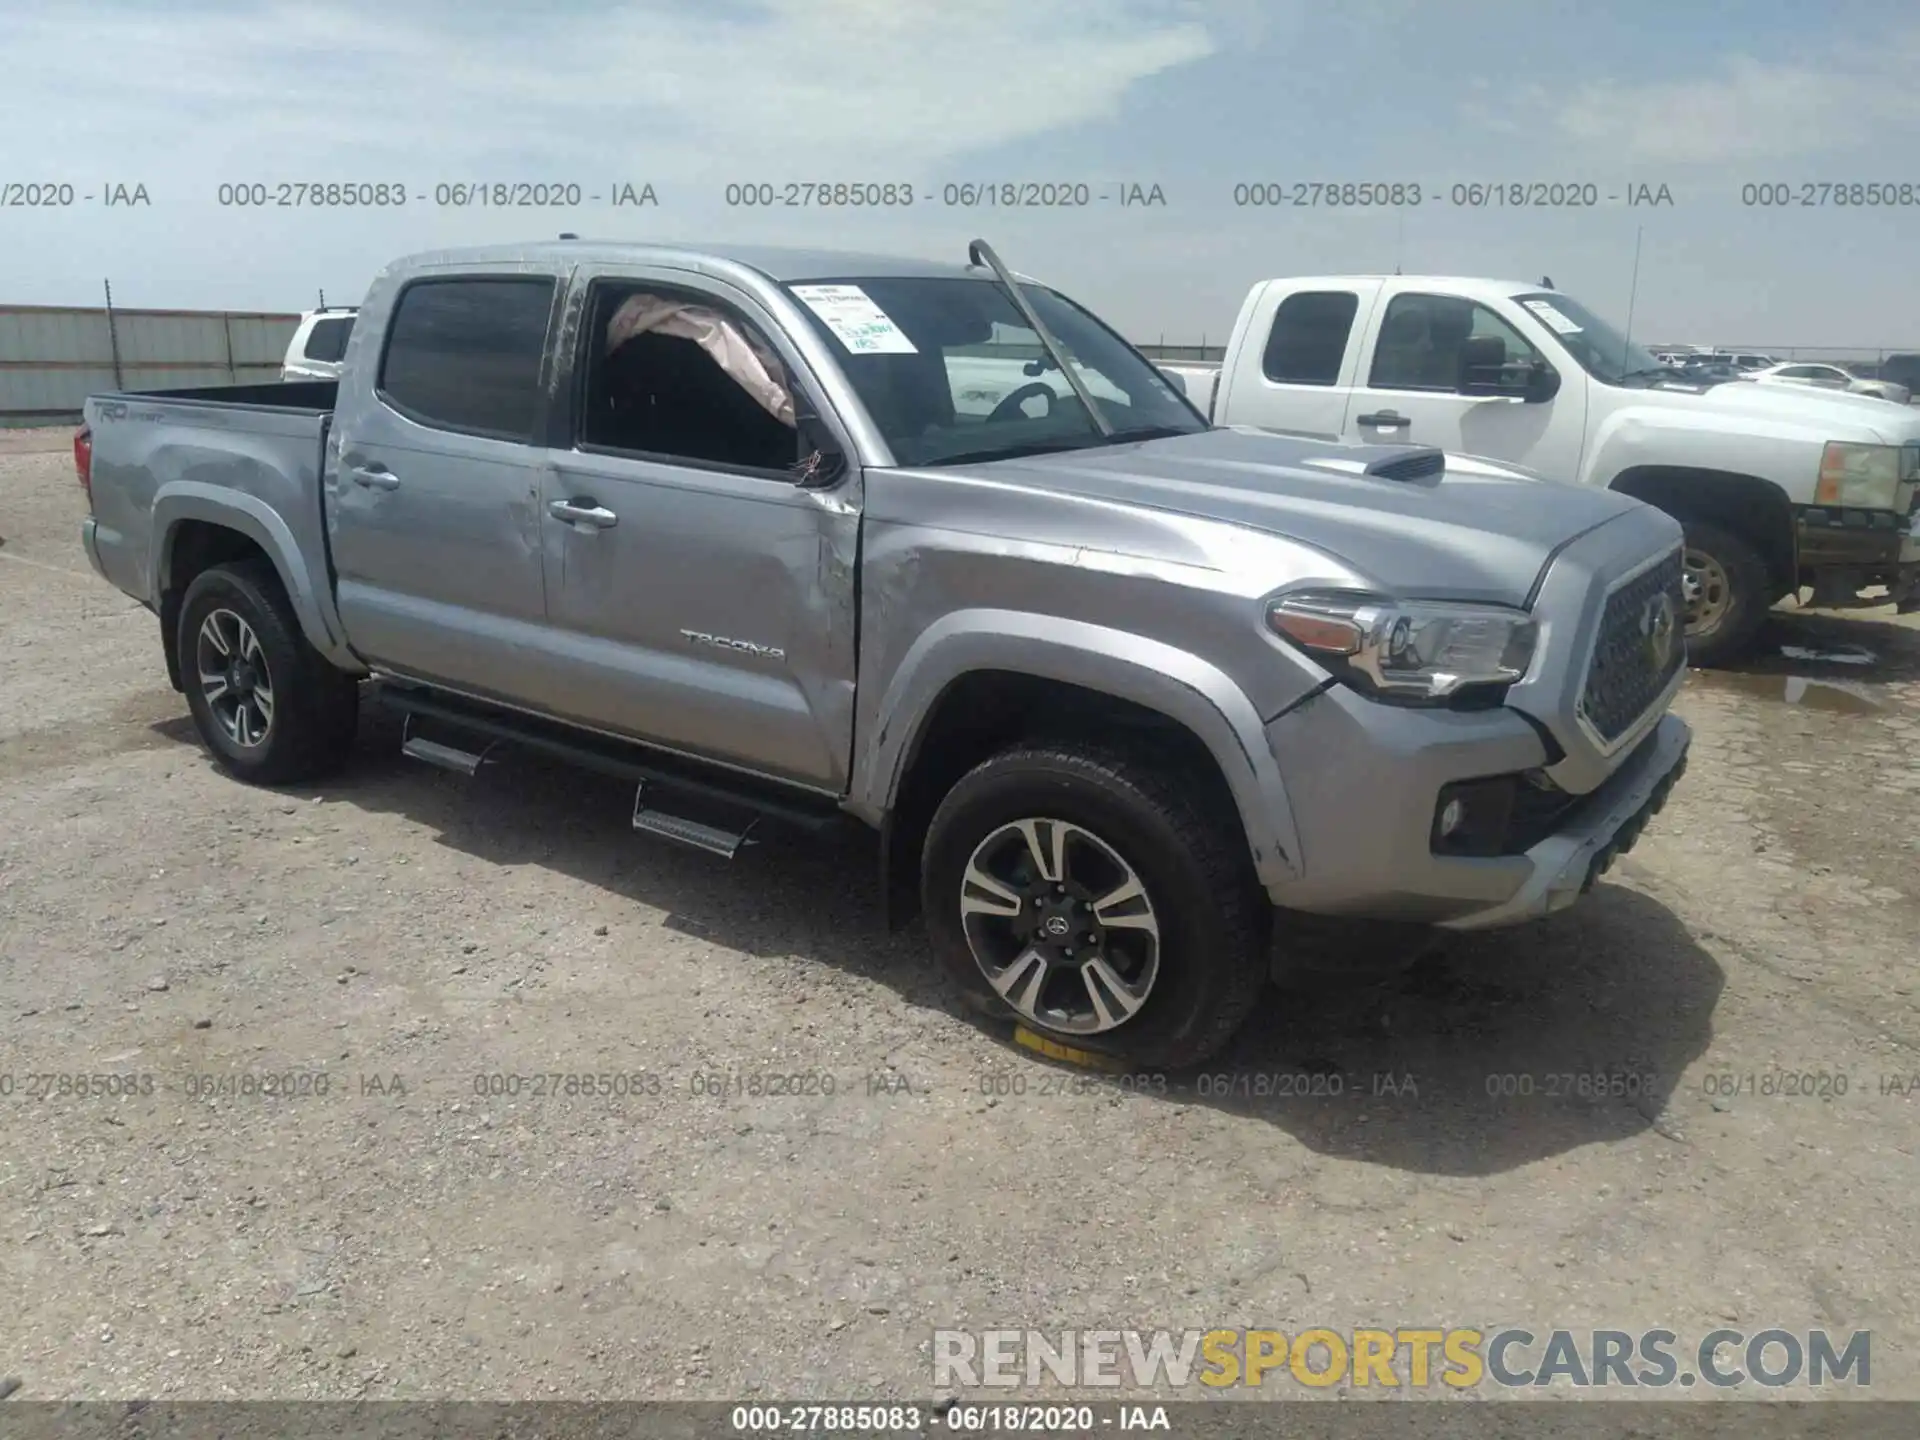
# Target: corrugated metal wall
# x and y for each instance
(53, 356)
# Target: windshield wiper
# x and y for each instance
(1010, 452)
(1657, 372)
(981, 253)
(1150, 432)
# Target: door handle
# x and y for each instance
(375, 479)
(583, 512)
(1385, 420)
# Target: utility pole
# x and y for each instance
(1633, 291)
(113, 337)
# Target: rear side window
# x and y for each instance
(1309, 337)
(327, 341)
(465, 354)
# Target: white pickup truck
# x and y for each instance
(319, 344)
(1777, 489)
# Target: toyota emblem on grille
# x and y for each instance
(1658, 621)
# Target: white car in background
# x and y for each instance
(318, 344)
(1830, 377)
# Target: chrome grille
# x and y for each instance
(1627, 672)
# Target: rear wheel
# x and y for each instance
(1728, 592)
(1085, 894)
(266, 703)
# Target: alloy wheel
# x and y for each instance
(1061, 926)
(234, 678)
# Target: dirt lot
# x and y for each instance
(404, 933)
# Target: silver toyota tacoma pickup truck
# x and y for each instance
(1139, 706)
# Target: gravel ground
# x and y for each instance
(401, 932)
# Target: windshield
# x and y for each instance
(950, 371)
(1602, 351)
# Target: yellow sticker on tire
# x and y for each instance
(1054, 1050)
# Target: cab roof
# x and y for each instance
(780, 264)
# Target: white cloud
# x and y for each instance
(851, 88)
(1848, 98)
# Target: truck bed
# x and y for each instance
(307, 397)
(248, 457)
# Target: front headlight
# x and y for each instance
(1865, 477)
(1419, 652)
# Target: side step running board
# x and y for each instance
(447, 757)
(672, 798)
(714, 839)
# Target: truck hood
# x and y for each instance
(1833, 414)
(1475, 532)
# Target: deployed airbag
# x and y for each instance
(744, 358)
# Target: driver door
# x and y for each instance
(1411, 388)
(698, 598)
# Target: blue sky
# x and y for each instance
(182, 95)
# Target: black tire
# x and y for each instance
(315, 707)
(1728, 635)
(1213, 917)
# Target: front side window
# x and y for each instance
(1444, 342)
(677, 375)
(465, 354)
(949, 370)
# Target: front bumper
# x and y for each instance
(1879, 546)
(1566, 863)
(1363, 780)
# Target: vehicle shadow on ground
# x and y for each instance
(1499, 1050)
(1469, 1064)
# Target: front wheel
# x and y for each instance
(1728, 592)
(266, 703)
(1085, 894)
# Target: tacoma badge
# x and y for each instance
(746, 647)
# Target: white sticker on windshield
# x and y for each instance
(862, 326)
(1552, 318)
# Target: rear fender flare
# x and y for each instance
(184, 500)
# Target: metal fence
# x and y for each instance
(1203, 353)
(53, 356)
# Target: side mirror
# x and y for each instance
(1483, 367)
(822, 464)
(1542, 384)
